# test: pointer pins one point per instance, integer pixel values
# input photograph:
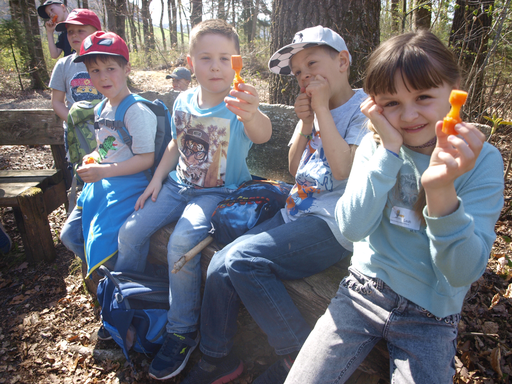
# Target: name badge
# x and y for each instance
(404, 217)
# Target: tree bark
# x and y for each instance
(196, 13)
(171, 8)
(25, 12)
(133, 31)
(162, 24)
(395, 17)
(356, 21)
(422, 14)
(110, 7)
(469, 38)
(120, 17)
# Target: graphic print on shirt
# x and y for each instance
(203, 145)
(82, 88)
(313, 177)
(108, 144)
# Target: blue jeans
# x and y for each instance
(251, 269)
(192, 209)
(421, 346)
(72, 236)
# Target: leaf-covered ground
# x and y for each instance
(48, 320)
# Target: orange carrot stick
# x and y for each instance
(89, 160)
(457, 100)
(54, 19)
(237, 64)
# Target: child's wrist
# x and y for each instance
(309, 137)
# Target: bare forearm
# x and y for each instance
(298, 146)
(135, 164)
(337, 151)
(259, 129)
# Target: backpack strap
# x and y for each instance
(118, 124)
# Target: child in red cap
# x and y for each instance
(114, 172)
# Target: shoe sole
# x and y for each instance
(230, 376)
(180, 368)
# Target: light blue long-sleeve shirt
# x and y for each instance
(435, 265)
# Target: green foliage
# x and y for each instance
(13, 48)
(496, 122)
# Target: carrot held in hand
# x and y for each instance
(236, 64)
(89, 160)
(54, 19)
(457, 100)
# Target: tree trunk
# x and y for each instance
(221, 10)
(148, 41)
(171, 9)
(85, 4)
(469, 38)
(120, 15)
(422, 14)
(196, 13)
(356, 21)
(25, 12)
(133, 31)
(395, 17)
(180, 6)
(256, 11)
(162, 24)
(110, 7)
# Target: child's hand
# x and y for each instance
(90, 173)
(390, 137)
(245, 106)
(50, 26)
(303, 108)
(153, 189)
(319, 91)
(453, 156)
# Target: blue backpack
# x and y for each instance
(163, 132)
(250, 204)
(134, 308)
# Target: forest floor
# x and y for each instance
(48, 320)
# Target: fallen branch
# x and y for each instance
(191, 254)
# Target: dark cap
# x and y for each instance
(103, 43)
(80, 17)
(41, 10)
(180, 73)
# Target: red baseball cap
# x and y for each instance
(103, 43)
(80, 17)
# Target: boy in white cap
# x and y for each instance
(302, 239)
(180, 79)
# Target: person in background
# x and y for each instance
(54, 12)
(180, 79)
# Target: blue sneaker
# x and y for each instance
(174, 355)
(103, 334)
(5, 240)
(224, 371)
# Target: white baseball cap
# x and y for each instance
(310, 37)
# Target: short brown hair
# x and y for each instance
(216, 27)
(93, 59)
(420, 57)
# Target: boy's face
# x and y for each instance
(313, 61)
(58, 10)
(77, 34)
(210, 60)
(109, 78)
(180, 84)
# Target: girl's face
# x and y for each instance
(414, 113)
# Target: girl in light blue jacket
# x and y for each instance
(420, 207)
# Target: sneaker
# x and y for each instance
(173, 356)
(5, 240)
(205, 373)
(103, 334)
(276, 373)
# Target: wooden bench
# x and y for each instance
(33, 194)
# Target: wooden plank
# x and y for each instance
(41, 173)
(9, 192)
(30, 126)
(55, 196)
